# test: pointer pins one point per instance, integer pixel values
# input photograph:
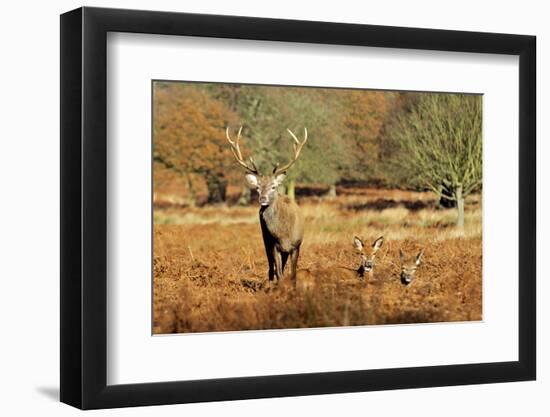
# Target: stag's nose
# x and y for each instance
(263, 201)
(405, 279)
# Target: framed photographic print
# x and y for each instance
(256, 208)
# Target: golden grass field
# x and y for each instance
(210, 268)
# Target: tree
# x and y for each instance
(189, 136)
(441, 145)
(327, 154)
(365, 115)
(266, 112)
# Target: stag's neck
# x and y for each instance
(281, 220)
(269, 212)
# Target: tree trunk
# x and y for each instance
(217, 187)
(331, 193)
(291, 189)
(459, 207)
(446, 200)
(192, 197)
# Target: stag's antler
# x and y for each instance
(238, 155)
(297, 149)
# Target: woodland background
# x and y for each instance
(381, 139)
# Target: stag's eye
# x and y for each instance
(273, 187)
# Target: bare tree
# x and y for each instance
(441, 145)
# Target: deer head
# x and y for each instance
(409, 266)
(265, 185)
(367, 257)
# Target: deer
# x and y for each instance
(281, 222)
(306, 279)
(409, 265)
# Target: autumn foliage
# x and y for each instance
(189, 137)
(191, 154)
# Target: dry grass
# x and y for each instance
(210, 268)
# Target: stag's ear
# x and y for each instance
(280, 178)
(358, 243)
(419, 257)
(377, 244)
(251, 180)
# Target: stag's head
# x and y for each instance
(409, 266)
(265, 185)
(368, 254)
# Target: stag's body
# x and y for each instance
(283, 231)
(280, 219)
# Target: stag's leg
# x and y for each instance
(271, 264)
(268, 245)
(294, 264)
(278, 263)
(284, 258)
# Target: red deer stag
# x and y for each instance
(280, 219)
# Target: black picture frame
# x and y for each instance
(84, 207)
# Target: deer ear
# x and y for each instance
(251, 180)
(358, 243)
(419, 257)
(280, 178)
(377, 244)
